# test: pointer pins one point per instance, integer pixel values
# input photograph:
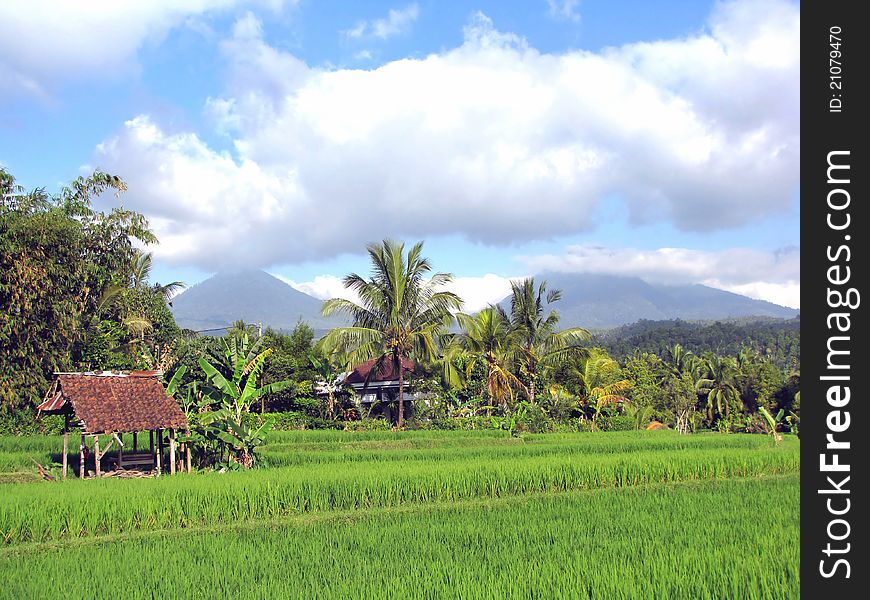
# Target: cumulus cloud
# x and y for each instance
(396, 22)
(43, 40)
(492, 140)
(772, 276)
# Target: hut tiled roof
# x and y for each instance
(387, 372)
(115, 402)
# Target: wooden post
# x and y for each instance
(159, 462)
(97, 454)
(189, 447)
(120, 451)
(135, 441)
(65, 444)
(82, 458)
(172, 451)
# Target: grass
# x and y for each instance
(736, 538)
(422, 514)
(387, 477)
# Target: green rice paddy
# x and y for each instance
(422, 515)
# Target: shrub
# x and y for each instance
(24, 422)
(616, 423)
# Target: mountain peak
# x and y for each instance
(601, 301)
(249, 294)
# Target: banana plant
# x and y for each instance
(236, 395)
(242, 439)
(773, 423)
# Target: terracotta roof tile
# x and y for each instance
(117, 402)
(387, 373)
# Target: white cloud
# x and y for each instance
(771, 276)
(564, 9)
(476, 292)
(396, 22)
(323, 287)
(492, 140)
(43, 41)
(784, 294)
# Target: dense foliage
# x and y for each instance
(776, 339)
(68, 296)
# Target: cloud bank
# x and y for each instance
(493, 140)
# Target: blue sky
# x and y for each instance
(657, 139)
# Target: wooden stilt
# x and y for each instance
(97, 456)
(82, 458)
(65, 444)
(120, 452)
(135, 442)
(159, 451)
(172, 451)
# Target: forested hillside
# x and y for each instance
(776, 339)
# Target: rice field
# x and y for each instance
(422, 515)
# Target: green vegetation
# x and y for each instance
(365, 476)
(472, 513)
(542, 546)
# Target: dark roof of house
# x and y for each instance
(387, 372)
(114, 402)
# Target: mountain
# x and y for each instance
(251, 295)
(604, 301)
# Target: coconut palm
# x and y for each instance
(538, 343)
(600, 380)
(487, 338)
(142, 264)
(682, 360)
(718, 384)
(400, 313)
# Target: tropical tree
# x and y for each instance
(234, 396)
(331, 378)
(717, 383)
(399, 315)
(57, 256)
(601, 382)
(538, 344)
(487, 338)
(681, 360)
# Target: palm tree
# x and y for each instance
(600, 383)
(717, 382)
(399, 315)
(486, 338)
(142, 264)
(538, 343)
(682, 361)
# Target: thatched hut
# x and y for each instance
(113, 403)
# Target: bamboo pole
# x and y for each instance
(97, 455)
(82, 458)
(172, 465)
(65, 444)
